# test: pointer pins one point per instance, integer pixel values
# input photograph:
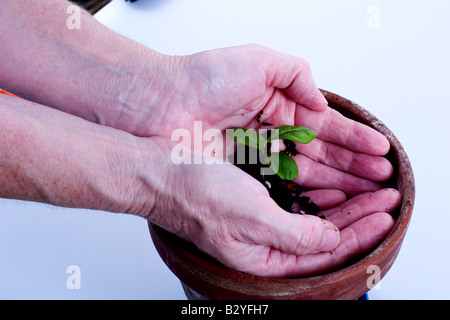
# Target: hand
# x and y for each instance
(230, 216)
(229, 87)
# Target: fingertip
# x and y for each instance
(381, 144)
(327, 232)
(395, 197)
(369, 140)
(316, 101)
(304, 234)
(382, 225)
(322, 102)
(330, 239)
(384, 169)
(385, 146)
(373, 229)
(362, 236)
(386, 199)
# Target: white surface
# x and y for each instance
(399, 71)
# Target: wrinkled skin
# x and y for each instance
(230, 215)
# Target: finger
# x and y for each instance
(332, 126)
(358, 238)
(326, 198)
(385, 200)
(314, 175)
(367, 166)
(294, 76)
(371, 167)
(291, 233)
(278, 110)
(274, 239)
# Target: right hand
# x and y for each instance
(229, 215)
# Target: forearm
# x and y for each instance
(91, 72)
(53, 157)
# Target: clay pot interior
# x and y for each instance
(204, 278)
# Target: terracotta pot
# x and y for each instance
(204, 278)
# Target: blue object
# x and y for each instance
(364, 297)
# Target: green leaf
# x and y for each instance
(249, 137)
(294, 133)
(283, 165)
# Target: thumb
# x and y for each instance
(294, 233)
(294, 76)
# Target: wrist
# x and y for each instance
(143, 95)
(90, 72)
(145, 174)
(53, 157)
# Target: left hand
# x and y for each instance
(230, 87)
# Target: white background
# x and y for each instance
(395, 64)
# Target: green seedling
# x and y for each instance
(280, 162)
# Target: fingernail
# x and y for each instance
(330, 240)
